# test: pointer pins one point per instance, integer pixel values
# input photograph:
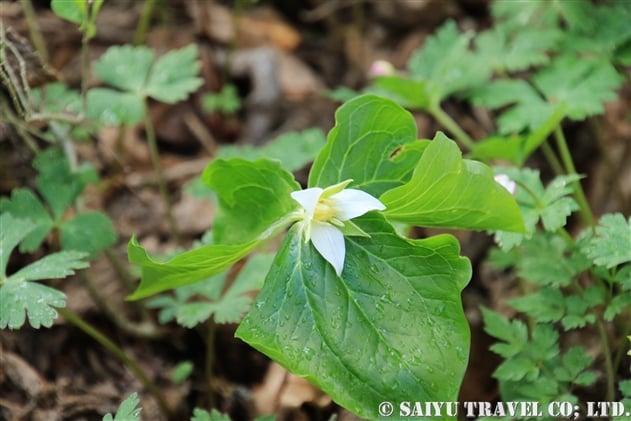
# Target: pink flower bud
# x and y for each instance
(381, 68)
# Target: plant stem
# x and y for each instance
(604, 339)
(552, 159)
(611, 375)
(157, 166)
(147, 330)
(33, 28)
(622, 349)
(210, 360)
(85, 71)
(579, 194)
(136, 370)
(449, 123)
(143, 23)
(127, 279)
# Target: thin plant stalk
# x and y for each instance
(604, 340)
(450, 124)
(146, 330)
(157, 166)
(143, 22)
(34, 31)
(211, 329)
(85, 71)
(118, 352)
(611, 375)
(579, 194)
(552, 159)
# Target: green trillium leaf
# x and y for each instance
(184, 269)
(253, 195)
(367, 145)
(397, 300)
(449, 192)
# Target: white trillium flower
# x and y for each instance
(327, 215)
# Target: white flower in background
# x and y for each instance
(381, 68)
(505, 181)
(327, 215)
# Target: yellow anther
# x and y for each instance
(323, 211)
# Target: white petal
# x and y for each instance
(506, 182)
(351, 203)
(308, 199)
(329, 242)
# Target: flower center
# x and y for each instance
(323, 211)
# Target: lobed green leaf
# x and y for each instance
(173, 76)
(612, 244)
(125, 67)
(91, 232)
(582, 85)
(127, 410)
(546, 260)
(19, 299)
(12, 231)
(58, 183)
(55, 265)
(114, 108)
(514, 333)
(507, 50)
(24, 204)
(441, 61)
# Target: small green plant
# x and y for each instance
(225, 101)
(128, 411)
(19, 294)
(28, 222)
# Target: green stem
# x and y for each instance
(127, 280)
(450, 124)
(579, 194)
(611, 375)
(33, 28)
(85, 69)
(147, 330)
(604, 339)
(624, 347)
(552, 159)
(157, 166)
(137, 371)
(143, 23)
